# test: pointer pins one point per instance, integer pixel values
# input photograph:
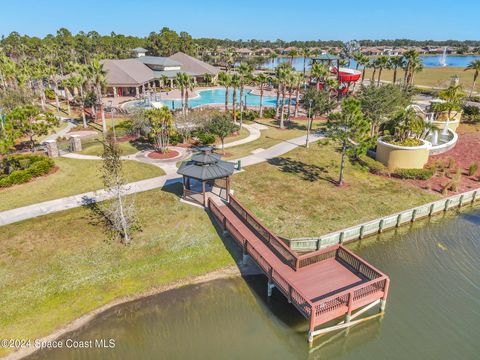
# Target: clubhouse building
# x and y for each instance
(132, 77)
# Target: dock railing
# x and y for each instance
(384, 223)
(289, 291)
(319, 310)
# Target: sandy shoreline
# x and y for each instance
(223, 273)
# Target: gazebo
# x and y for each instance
(202, 173)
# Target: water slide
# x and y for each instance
(346, 75)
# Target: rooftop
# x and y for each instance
(158, 60)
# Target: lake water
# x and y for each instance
(433, 310)
(428, 61)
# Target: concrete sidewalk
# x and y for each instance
(171, 177)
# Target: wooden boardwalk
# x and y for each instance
(323, 285)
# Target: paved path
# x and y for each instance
(255, 134)
(62, 132)
(70, 202)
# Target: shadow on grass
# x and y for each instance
(308, 172)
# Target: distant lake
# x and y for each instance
(428, 61)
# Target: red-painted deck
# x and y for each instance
(322, 285)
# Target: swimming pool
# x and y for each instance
(208, 97)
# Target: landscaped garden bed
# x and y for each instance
(169, 154)
(19, 169)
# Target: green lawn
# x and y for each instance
(96, 149)
(295, 196)
(432, 76)
(272, 136)
(73, 177)
(57, 267)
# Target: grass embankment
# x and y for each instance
(272, 136)
(58, 267)
(73, 177)
(431, 77)
(295, 195)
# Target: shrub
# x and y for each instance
(16, 177)
(250, 115)
(472, 169)
(374, 166)
(269, 113)
(18, 169)
(175, 138)
(469, 110)
(415, 174)
(50, 94)
(206, 138)
(40, 168)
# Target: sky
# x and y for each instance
(250, 19)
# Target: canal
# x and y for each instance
(433, 310)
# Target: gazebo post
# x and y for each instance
(204, 194)
(228, 188)
(183, 183)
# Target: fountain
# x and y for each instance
(443, 59)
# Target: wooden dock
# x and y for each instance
(323, 285)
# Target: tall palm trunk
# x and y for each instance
(379, 76)
(395, 75)
(226, 99)
(363, 74)
(473, 85)
(261, 101)
(102, 110)
(290, 93)
(372, 80)
(282, 106)
(234, 104)
(297, 93)
(186, 100)
(242, 106)
(182, 95)
(84, 119)
(277, 101)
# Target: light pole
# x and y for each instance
(309, 121)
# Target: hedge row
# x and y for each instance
(22, 168)
(415, 174)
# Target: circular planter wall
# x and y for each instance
(402, 157)
(452, 123)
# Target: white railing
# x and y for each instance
(384, 223)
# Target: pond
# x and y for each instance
(432, 311)
(428, 61)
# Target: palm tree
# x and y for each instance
(283, 74)
(224, 79)
(412, 64)
(373, 64)
(364, 61)
(273, 55)
(189, 86)
(306, 53)
(293, 82)
(357, 56)
(245, 74)
(181, 80)
(319, 72)
(234, 83)
(291, 54)
(381, 62)
(261, 79)
(395, 63)
(475, 66)
(98, 77)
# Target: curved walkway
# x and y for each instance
(255, 134)
(70, 202)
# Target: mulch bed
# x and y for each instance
(126, 138)
(159, 156)
(465, 153)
